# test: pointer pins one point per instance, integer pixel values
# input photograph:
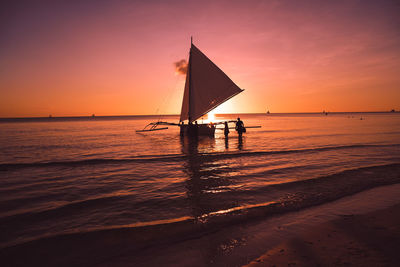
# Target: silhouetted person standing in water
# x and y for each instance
(226, 130)
(240, 127)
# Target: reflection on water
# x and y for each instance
(206, 179)
(208, 182)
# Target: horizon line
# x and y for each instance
(160, 115)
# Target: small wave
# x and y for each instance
(78, 163)
(196, 224)
(60, 209)
(180, 157)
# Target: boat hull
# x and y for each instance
(199, 130)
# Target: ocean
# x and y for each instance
(65, 177)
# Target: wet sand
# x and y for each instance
(371, 239)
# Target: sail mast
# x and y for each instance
(190, 79)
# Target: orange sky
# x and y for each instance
(116, 57)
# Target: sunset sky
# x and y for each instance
(72, 58)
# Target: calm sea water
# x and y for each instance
(63, 176)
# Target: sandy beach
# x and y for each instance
(371, 239)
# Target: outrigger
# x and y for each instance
(206, 87)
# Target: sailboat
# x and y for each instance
(206, 87)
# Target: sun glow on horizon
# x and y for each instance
(211, 117)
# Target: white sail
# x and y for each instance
(207, 87)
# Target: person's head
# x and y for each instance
(226, 123)
(195, 122)
(238, 119)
